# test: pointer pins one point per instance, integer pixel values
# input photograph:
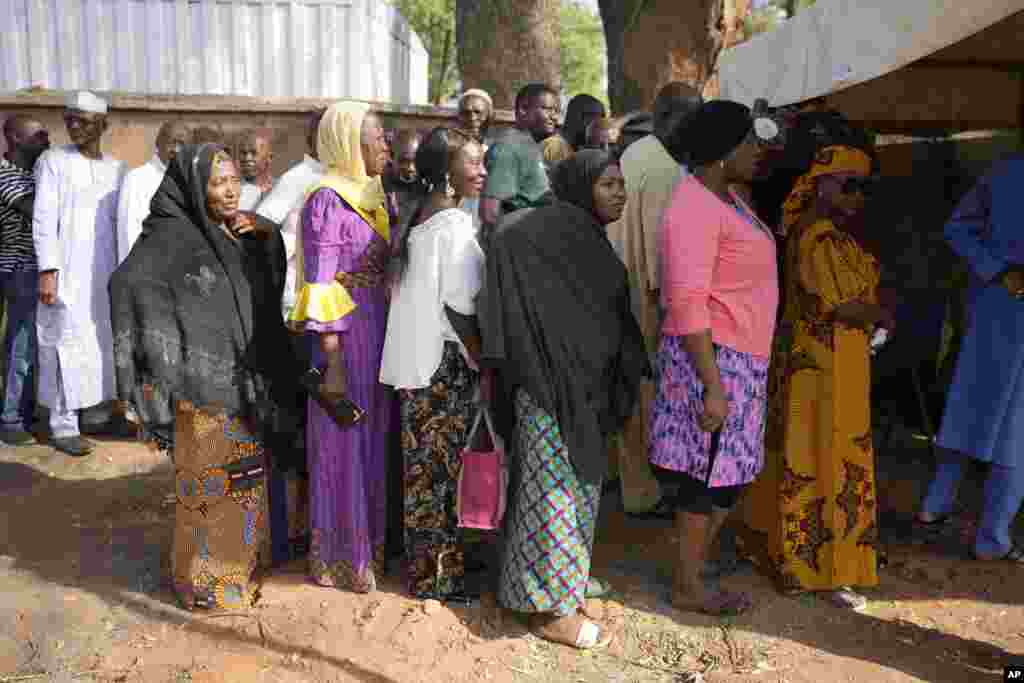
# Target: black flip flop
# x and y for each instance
(1015, 556)
(930, 532)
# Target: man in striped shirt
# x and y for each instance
(26, 140)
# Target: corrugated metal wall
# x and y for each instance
(266, 48)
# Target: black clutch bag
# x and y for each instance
(341, 409)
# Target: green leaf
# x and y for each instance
(581, 41)
(434, 22)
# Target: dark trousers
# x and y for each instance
(20, 294)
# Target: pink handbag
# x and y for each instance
(480, 501)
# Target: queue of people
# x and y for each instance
(610, 293)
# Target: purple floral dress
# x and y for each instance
(347, 466)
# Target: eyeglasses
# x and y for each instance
(859, 185)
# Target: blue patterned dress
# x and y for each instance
(550, 530)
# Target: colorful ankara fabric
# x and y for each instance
(553, 518)
(676, 440)
(810, 518)
(829, 160)
(435, 425)
(220, 519)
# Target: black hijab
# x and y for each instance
(556, 319)
(574, 178)
(197, 315)
(581, 110)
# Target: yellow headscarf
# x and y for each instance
(339, 146)
(829, 160)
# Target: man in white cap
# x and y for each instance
(74, 231)
(141, 183)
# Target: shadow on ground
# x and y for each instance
(111, 538)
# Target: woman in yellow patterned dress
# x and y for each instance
(810, 519)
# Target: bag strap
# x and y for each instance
(502, 490)
(475, 427)
(486, 412)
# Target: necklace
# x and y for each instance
(740, 206)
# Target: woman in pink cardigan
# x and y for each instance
(720, 293)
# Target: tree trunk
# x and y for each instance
(505, 44)
(653, 42)
(438, 94)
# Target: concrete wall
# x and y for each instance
(134, 120)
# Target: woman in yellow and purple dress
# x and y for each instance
(343, 300)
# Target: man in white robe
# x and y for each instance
(284, 204)
(141, 184)
(74, 232)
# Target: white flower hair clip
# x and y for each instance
(765, 129)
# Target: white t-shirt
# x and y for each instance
(445, 268)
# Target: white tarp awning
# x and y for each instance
(893, 63)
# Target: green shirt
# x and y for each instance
(515, 171)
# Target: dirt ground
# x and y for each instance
(83, 565)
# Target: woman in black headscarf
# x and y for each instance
(581, 111)
(556, 321)
(203, 356)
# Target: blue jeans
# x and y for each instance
(1004, 491)
(20, 292)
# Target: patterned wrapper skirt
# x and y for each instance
(435, 423)
(677, 442)
(220, 520)
(552, 520)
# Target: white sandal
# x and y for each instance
(590, 637)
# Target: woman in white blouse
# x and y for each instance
(430, 355)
